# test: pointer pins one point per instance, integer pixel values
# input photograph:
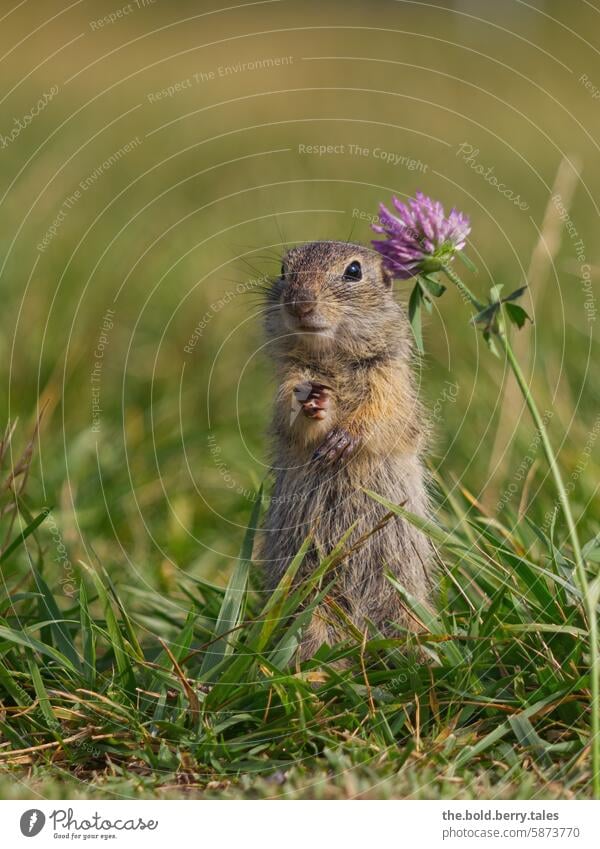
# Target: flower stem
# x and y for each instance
(464, 290)
(589, 598)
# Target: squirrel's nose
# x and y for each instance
(302, 305)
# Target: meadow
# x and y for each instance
(155, 164)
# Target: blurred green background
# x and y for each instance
(168, 169)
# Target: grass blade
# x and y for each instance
(232, 607)
(22, 536)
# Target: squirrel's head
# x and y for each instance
(334, 296)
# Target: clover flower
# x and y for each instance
(420, 239)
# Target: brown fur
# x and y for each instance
(363, 357)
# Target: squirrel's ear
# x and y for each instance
(386, 277)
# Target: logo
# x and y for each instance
(32, 822)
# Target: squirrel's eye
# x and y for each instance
(353, 272)
(283, 270)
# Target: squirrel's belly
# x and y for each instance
(326, 502)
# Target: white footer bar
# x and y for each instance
(301, 824)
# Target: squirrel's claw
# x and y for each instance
(313, 399)
(338, 442)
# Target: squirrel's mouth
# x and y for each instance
(311, 324)
(313, 327)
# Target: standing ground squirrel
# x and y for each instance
(347, 418)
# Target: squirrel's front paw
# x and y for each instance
(338, 442)
(313, 399)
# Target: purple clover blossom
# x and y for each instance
(420, 238)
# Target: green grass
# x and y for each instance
(336, 777)
(135, 644)
(215, 698)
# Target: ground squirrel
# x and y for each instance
(347, 417)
